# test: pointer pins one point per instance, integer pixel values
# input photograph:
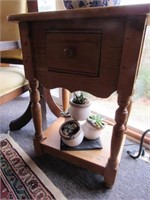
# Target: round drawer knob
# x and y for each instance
(69, 52)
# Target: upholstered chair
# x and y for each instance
(12, 79)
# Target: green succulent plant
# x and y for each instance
(70, 128)
(96, 120)
(79, 99)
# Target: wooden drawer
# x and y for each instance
(73, 52)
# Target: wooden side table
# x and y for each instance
(95, 50)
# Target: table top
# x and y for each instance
(128, 10)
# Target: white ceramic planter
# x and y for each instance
(90, 132)
(79, 112)
(76, 139)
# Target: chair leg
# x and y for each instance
(43, 106)
(55, 109)
(51, 104)
(20, 122)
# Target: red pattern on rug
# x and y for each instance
(18, 181)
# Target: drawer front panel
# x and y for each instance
(73, 53)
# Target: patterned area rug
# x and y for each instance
(20, 177)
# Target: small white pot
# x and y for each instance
(91, 132)
(76, 139)
(79, 112)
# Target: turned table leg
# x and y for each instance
(50, 102)
(65, 99)
(116, 141)
(37, 115)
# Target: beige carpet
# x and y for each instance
(21, 178)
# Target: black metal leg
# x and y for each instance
(141, 146)
(20, 122)
(24, 119)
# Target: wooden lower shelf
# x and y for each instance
(94, 160)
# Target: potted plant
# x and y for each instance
(93, 126)
(70, 132)
(79, 107)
